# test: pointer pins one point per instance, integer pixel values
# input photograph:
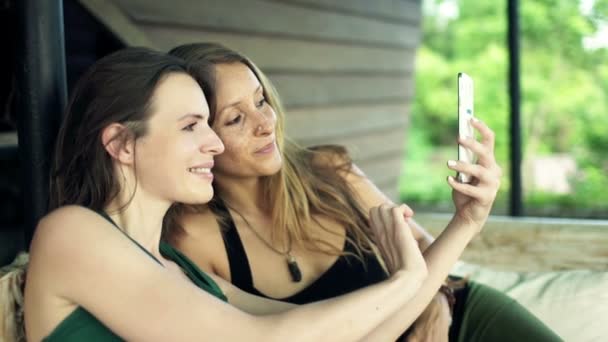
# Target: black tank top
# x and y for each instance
(346, 274)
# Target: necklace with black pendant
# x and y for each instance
(292, 264)
(294, 269)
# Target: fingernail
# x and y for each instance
(474, 119)
(451, 163)
(450, 179)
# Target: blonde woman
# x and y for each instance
(292, 224)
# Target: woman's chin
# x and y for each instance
(272, 168)
(201, 197)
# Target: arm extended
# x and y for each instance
(143, 293)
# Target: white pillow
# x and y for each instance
(572, 303)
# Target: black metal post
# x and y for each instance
(42, 96)
(515, 200)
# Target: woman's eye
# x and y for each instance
(190, 127)
(261, 103)
(236, 120)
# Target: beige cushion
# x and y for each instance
(572, 303)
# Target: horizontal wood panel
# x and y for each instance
(279, 54)
(391, 191)
(299, 90)
(343, 69)
(271, 18)
(534, 244)
(390, 183)
(382, 170)
(397, 10)
(389, 187)
(331, 123)
(367, 144)
(117, 22)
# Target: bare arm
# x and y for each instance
(247, 302)
(473, 203)
(424, 238)
(130, 293)
(371, 196)
(440, 255)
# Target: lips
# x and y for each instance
(205, 165)
(203, 169)
(199, 170)
(266, 148)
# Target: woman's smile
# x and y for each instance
(267, 149)
(202, 171)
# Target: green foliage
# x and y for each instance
(564, 97)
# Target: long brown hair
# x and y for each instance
(309, 183)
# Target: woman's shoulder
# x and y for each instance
(329, 155)
(66, 233)
(202, 241)
(200, 223)
(67, 212)
(70, 244)
(201, 233)
(68, 222)
(338, 158)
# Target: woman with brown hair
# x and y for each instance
(291, 223)
(134, 141)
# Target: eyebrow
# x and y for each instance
(196, 116)
(237, 102)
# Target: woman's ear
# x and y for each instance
(119, 142)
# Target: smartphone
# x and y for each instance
(465, 113)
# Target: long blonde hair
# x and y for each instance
(310, 181)
(12, 281)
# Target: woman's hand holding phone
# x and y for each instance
(478, 175)
(474, 200)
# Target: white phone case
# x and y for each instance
(465, 113)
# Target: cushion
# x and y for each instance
(573, 303)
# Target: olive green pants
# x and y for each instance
(490, 315)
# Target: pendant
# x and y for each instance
(294, 269)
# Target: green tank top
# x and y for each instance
(80, 325)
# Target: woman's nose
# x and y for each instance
(265, 125)
(212, 143)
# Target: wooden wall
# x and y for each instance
(343, 68)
